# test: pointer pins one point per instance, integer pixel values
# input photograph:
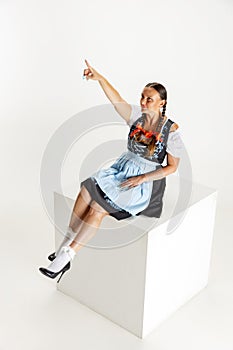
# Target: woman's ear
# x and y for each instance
(162, 103)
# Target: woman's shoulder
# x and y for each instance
(174, 126)
(175, 145)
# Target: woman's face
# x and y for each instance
(150, 100)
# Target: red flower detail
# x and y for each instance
(145, 132)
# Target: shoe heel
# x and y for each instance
(61, 276)
(66, 268)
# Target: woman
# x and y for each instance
(135, 183)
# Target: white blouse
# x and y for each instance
(175, 144)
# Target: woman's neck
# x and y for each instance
(153, 117)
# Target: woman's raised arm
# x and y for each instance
(122, 107)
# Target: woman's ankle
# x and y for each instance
(65, 255)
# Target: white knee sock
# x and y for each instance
(69, 237)
(65, 255)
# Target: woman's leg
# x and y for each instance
(80, 209)
(91, 223)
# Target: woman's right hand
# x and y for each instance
(91, 73)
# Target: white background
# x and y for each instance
(186, 46)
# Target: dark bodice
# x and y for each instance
(141, 149)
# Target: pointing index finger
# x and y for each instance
(88, 65)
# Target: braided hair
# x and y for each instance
(138, 136)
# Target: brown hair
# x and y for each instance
(152, 142)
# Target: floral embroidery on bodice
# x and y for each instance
(141, 148)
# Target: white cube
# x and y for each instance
(138, 271)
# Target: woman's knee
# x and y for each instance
(97, 210)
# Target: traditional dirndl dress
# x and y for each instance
(146, 198)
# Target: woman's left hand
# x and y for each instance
(133, 181)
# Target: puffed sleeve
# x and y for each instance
(135, 114)
(175, 145)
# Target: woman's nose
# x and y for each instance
(143, 102)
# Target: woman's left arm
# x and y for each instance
(172, 165)
(175, 146)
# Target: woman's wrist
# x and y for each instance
(101, 78)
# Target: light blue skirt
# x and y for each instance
(129, 164)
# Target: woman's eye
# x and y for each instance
(149, 99)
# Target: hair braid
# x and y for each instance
(164, 109)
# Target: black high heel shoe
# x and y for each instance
(52, 274)
(52, 256)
